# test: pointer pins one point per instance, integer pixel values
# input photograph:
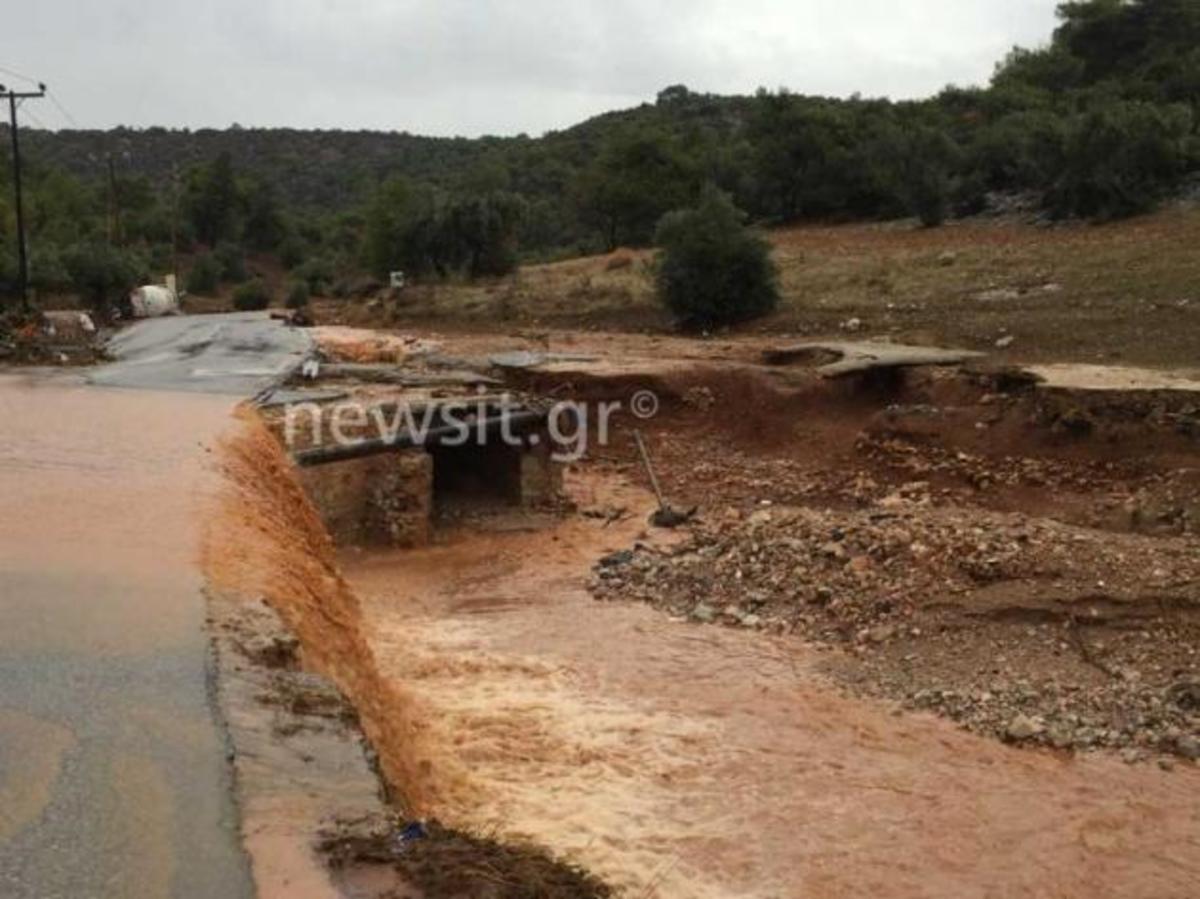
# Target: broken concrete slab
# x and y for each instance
(392, 374)
(838, 359)
(276, 397)
(533, 359)
(1071, 376)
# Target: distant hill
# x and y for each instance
(338, 169)
(311, 168)
(1102, 122)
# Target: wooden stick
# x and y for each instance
(641, 445)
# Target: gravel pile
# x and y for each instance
(1023, 628)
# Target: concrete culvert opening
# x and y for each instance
(470, 475)
(392, 493)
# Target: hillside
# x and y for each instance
(1125, 293)
(1101, 123)
(339, 170)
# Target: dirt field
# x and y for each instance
(931, 635)
(1127, 292)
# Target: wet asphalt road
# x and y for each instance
(236, 355)
(114, 780)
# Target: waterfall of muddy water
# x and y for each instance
(266, 540)
(682, 761)
(113, 776)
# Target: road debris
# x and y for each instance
(664, 516)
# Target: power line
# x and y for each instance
(62, 109)
(29, 115)
(52, 97)
(11, 74)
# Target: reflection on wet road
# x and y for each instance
(113, 777)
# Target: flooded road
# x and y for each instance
(697, 762)
(113, 772)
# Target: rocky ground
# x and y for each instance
(1026, 628)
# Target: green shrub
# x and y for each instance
(297, 295)
(1122, 158)
(251, 296)
(204, 277)
(712, 270)
(928, 183)
(316, 272)
(102, 273)
(292, 251)
(232, 260)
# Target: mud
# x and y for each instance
(298, 755)
(443, 862)
(680, 760)
(711, 762)
(266, 540)
(318, 689)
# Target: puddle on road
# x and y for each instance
(31, 756)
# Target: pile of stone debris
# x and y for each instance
(55, 338)
(1024, 628)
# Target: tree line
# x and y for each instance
(1102, 122)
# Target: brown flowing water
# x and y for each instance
(685, 761)
(673, 760)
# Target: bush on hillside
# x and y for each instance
(251, 296)
(317, 272)
(927, 175)
(101, 273)
(1122, 158)
(204, 277)
(297, 295)
(712, 270)
(292, 251)
(232, 259)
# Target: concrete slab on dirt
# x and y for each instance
(837, 359)
(237, 354)
(1111, 377)
(532, 359)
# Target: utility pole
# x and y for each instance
(22, 258)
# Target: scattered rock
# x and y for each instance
(1188, 746)
(1024, 727)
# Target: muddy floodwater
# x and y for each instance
(113, 773)
(685, 761)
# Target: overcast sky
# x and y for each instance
(473, 67)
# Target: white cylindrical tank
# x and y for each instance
(152, 301)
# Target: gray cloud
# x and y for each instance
(503, 67)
